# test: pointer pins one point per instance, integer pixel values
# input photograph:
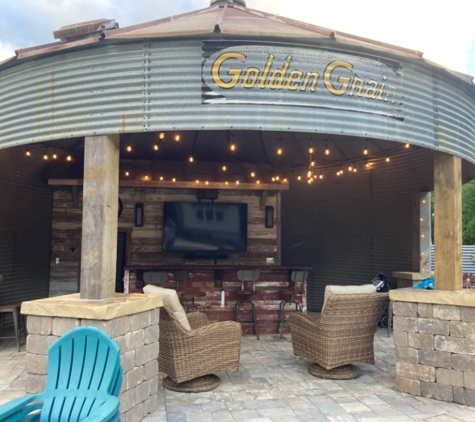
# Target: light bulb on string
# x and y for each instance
(147, 177)
(191, 159)
(45, 156)
(69, 158)
(365, 151)
(273, 179)
(55, 156)
(226, 183)
(312, 164)
(237, 182)
(232, 144)
(320, 176)
(224, 168)
(387, 160)
(127, 174)
(197, 181)
(253, 174)
(155, 147)
(350, 168)
(407, 145)
(277, 178)
(310, 149)
(161, 178)
(258, 182)
(28, 153)
(173, 180)
(327, 150)
(129, 148)
(161, 135)
(280, 151)
(177, 138)
(285, 180)
(207, 183)
(299, 177)
(309, 173)
(354, 170)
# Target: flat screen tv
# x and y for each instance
(204, 227)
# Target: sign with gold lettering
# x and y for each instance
(281, 75)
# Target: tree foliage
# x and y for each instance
(468, 213)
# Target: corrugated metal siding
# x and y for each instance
(468, 264)
(25, 227)
(350, 228)
(157, 86)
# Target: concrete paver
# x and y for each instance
(272, 385)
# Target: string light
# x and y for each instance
(285, 180)
(129, 148)
(237, 182)
(321, 175)
(365, 151)
(28, 153)
(232, 145)
(350, 168)
(226, 183)
(177, 138)
(155, 147)
(258, 182)
(253, 174)
(277, 178)
(280, 151)
(173, 180)
(354, 170)
(310, 149)
(55, 156)
(407, 146)
(206, 183)
(197, 181)
(127, 173)
(224, 168)
(273, 179)
(146, 177)
(309, 173)
(312, 164)
(161, 178)
(191, 159)
(327, 150)
(69, 158)
(161, 135)
(299, 177)
(45, 156)
(387, 160)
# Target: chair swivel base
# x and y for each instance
(346, 372)
(196, 385)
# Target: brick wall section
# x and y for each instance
(435, 351)
(137, 337)
(267, 298)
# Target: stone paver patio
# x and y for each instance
(272, 385)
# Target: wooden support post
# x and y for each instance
(99, 221)
(448, 221)
(421, 232)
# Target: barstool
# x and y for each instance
(295, 278)
(247, 276)
(13, 309)
(182, 276)
(155, 277)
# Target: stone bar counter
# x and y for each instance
(214, 279)
(131, 320)
(434, 338)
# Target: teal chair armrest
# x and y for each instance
(108, 412)
(17, 409)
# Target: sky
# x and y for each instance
(443, 30)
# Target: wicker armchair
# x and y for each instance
(189, 358)
(343, 334)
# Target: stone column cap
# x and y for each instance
(71, 306)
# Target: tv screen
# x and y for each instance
(211, 227)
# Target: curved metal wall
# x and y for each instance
(147, 86)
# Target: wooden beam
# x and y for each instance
(180, 185)
(99, 221)
(448, 221)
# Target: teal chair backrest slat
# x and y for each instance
(83, 368)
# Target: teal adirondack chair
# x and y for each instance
(83, 382)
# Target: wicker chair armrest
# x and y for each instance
(224, 330)
(302, 319)
(197, 319)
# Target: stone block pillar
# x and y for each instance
(434, 339)
(131, 320)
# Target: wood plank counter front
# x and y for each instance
(203, 279)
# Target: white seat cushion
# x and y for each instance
(346, 290)
(170, 296)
